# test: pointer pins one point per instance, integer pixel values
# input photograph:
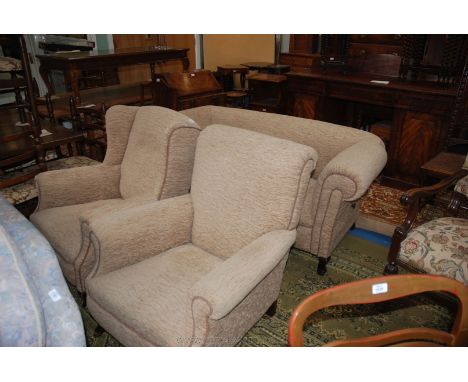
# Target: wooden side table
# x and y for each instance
(268, 92)
(443, 165)
(257, 65)
(227, 72)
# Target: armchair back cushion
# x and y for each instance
(159, 154)
(235, 192)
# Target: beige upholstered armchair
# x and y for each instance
(202, 268)
(348, 162)
(149, 157)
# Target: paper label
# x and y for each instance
(379, 288)
(54, 295)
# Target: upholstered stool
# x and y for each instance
(439, 247)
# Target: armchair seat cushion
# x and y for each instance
(439, 247)
(152, 297)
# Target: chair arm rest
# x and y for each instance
(77, 185)
(134, 234)
(231, 281)
(354, 169)
(413, 199)
(411, 196)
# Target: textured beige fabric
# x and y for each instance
(63, 229)
(327, 138)
(244, 185)
(119, 122)
(77, 185)
(157, 147)
(306, 215)
(180, 158)
(348, 161)
(230, 282)
(230, 329)
(145, 163)
(358, 165)
(304, 234)
(132, 235)
(152, 286)
(152, 297)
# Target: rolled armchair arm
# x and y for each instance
(77, 185)
(354, 169)
(132, 235)
(231, 281)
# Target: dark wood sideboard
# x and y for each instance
(400, 87)
(418, 114)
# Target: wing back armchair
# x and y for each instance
(149, 157)
(202, 268)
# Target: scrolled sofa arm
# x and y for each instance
(135, 234)
(77, 185)
(231, 281)
(353, 170)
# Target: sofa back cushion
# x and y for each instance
(246, 184)
(158, 159)
(327, 138)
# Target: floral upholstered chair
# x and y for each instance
(440, 246)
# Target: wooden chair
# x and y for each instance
(90, 120)
(431, 247)
(20, 133)
(386, 288)
(21, 141)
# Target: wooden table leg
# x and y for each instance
(72, 77)
(45, 74)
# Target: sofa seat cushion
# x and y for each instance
(462, 186)
(439, 247)
(153, 295)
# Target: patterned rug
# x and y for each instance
(381, 210)
(353, 259)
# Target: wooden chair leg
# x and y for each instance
(322, 265)
(272, 309)
(398, 236)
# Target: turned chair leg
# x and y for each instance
(391, 269)
(272, 309)
(322, 265)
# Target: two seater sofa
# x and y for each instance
(349, 160)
